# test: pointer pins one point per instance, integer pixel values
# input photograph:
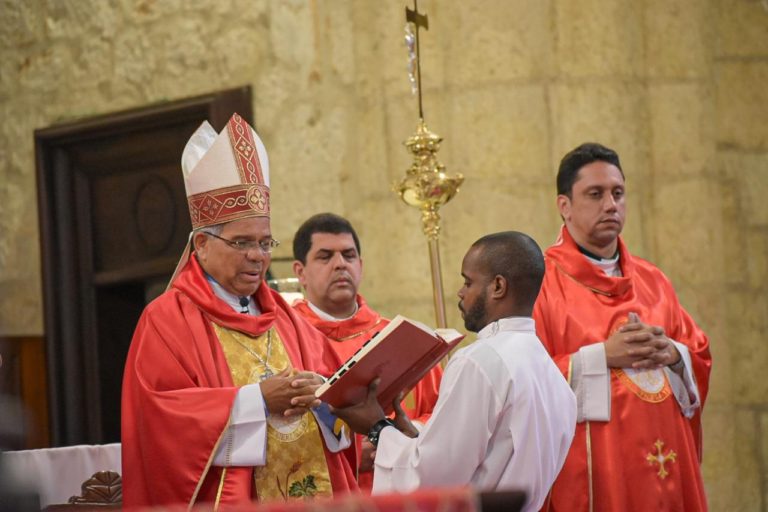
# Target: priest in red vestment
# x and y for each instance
(637, 361)
(218, 398)
(329, 266)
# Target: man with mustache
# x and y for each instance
(218, 401)
(505, 417)
(638, 363)
(329, 266)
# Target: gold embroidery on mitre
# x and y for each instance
(296, 468)
(228, 203)
(244, 151)
(258, 199)
(661, 458)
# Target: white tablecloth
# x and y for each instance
(58, 473)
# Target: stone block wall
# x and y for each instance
(677, 88)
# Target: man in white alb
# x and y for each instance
(506, 416)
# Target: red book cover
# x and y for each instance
(401, 354)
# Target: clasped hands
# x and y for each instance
(640, 346)
(291, 394)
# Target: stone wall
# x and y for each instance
(678, 88)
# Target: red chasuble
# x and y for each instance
(647, 457)
(349, 335)
(178, 391)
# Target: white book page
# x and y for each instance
(448, 335)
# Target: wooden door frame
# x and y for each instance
(67, 273)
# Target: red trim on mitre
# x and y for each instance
(228, 204)
(244, 149)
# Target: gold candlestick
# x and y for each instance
(426, 186)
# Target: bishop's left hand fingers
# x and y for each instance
(303, 379)
(305, 400)
(295, 411)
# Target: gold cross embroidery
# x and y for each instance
(660, 458)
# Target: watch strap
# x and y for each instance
(373, 434)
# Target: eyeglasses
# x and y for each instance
(244, 246)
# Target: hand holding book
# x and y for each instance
(402, 421)
(400, 355)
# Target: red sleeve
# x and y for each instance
(692, 336)
(177, 395)
(686, 331)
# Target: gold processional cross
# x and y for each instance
(660, 458)
(426, 185)
(419, 21)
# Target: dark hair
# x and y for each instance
(577, 158)
(517, 258)
(320, 223)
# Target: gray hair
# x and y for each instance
(216, 229)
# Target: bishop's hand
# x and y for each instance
(304, 384)
(287, 394)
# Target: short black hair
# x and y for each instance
(320, 223)
(577, 158)
(517, 258)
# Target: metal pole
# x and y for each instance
(437, 282)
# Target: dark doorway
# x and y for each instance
(113, 223)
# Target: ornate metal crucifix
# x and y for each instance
(426, 185)
(418, 20)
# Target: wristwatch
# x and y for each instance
(373, 434)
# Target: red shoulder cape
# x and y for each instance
(579, 305)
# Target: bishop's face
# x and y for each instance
(595, 212)
(332, 272)
(237, 271)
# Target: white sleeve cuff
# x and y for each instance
(684, 388)
(591, 383)
(244, 442)
(392, 470)
(329, 426)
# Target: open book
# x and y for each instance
(401, 354)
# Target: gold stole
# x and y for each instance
(296, 468)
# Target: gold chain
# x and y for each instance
(265, 362)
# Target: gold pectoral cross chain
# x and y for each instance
(264, 361)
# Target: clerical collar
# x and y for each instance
(595, 257)
(610, 266)
(330, 318)
(232, 299)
